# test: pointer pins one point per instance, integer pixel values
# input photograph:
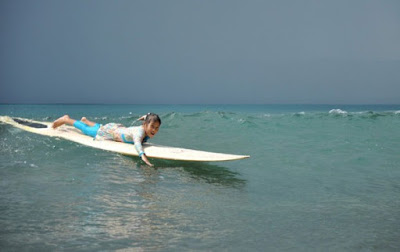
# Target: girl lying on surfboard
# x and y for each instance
(117, 132)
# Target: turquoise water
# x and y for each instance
(320, 177)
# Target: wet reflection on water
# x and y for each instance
(144, 206)
(210, 173)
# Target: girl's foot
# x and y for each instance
(84, 120)
(60, 121)
(87, 122)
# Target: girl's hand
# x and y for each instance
(142, 118)
(144, 158)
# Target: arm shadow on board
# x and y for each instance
(203, 171)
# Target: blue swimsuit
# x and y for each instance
(86, 129)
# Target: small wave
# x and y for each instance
(197, 114)
(226, 115)
(299, 113)
(129, 117)
(337, 111)
(101, 118)
(170, 114)
(247, 122)
(397, 112)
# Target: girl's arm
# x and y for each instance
(139, 148)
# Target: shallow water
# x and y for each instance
(319, 178)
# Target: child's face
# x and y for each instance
(151, 128)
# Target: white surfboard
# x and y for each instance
(153, 151)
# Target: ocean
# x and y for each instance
(320, 178)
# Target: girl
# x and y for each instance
(117, 132)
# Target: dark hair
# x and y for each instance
(151, 117)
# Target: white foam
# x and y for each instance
(337, 111)
(397, 112)
(101, 118)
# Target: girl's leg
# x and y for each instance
(86, 127)
(87, 122)
(63, 120)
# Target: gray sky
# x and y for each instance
(220, 51)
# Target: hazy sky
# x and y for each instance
(191, 51)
